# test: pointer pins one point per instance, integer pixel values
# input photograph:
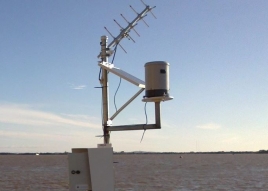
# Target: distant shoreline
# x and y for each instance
(142, 152)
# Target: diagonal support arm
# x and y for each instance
(126, 104)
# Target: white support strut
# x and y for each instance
(122, 74)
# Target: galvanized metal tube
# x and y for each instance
(105, 91)
(158, 115)
(132, 127)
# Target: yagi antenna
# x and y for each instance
(128, 23)
(150, 10)
(124, 32)
(127, 35)
(138, 14)
(114, 38)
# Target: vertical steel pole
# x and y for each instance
(105, 91)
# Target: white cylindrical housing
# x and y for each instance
(156, 79)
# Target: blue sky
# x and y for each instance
(218, 58)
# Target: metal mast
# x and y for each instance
(105, 91)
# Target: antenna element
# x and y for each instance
(124, 32)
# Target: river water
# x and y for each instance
(144, 172)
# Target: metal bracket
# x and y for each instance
(157, 124)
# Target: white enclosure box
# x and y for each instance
(156, 81)
(91, 169)
(79, 177)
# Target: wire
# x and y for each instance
(119, 80)
(146, 121)
(100, 74)
(116, 93)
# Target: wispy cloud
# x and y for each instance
(37, 136)
(80, 87)
(32, 135)
(77, 87)
(25, 115)
(29, 141)
(209, 126)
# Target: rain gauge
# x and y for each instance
(91, 169)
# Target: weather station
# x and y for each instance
(91, 169)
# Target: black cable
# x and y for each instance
(114, 53)
(116, 93)
(100, 74)
(146, 121)
(119, 80)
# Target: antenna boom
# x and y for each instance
(124, 32)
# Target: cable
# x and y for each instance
(119, 80)
(146, 121)
(116, 93)
(100, 74)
